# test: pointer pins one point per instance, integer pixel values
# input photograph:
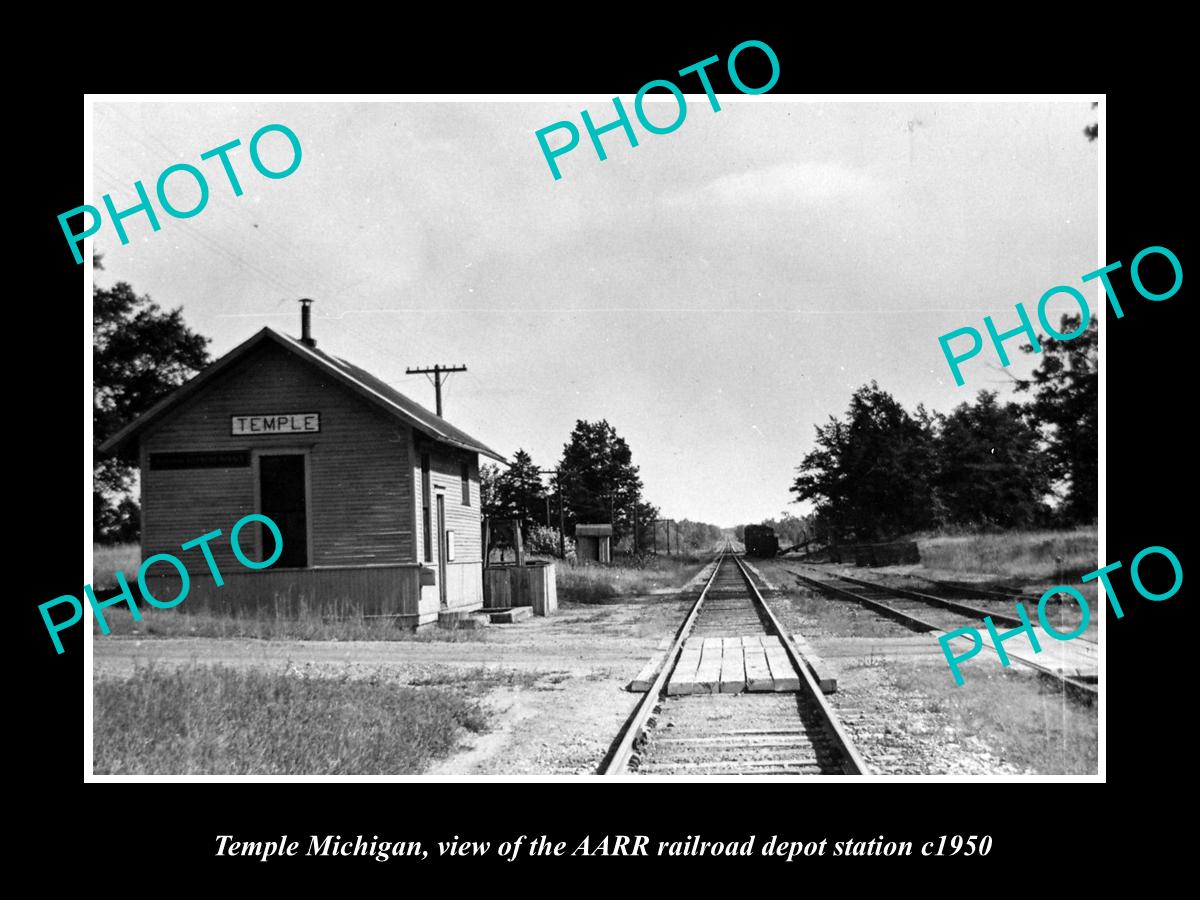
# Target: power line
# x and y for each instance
(186, 227)
(213, 244)
(277, 242)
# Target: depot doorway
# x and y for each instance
(283, 498)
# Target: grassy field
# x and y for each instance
(1016, 554)
(286, 622)
(1022, 719)
(107, 559)
(224, 721)
(596, 583)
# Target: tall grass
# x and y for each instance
(223, 721)
(108, 559)
(1023, 720)
(337, 621)
(1017, 554)
(595, 583)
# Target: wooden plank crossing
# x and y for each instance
(733, 667)
(646, 676)
(730, 665)
(758, 672)
(822, 672)
(708, 676)
(783, 673)
(683, 679)
(1074, 658)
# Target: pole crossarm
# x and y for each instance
(439, 373)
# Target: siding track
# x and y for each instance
(925, 612)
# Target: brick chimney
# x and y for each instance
(306, 337)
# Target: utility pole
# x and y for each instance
(562, 519)
(562, 523)
(637, 546)
(654, 526)
(437, 372)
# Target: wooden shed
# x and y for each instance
(593, 543)
(377, 498)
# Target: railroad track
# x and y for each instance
(929, 613)
(733, 697)
(958, 589)
(982, 593)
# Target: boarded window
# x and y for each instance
(230, 459)
(466, 483)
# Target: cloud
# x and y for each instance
(806, 183)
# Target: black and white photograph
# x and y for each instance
(523, 438)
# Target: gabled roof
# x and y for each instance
(358, 380)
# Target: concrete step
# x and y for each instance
(509, 616)
(465, 620)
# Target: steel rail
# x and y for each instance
(951, 605)
(983, 593)
(617, 762)
(854, 763)
(883, 609)
(987, 595)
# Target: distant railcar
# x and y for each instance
(761, 541)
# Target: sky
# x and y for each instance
(714, 293)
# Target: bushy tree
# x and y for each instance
(488, 473)
(519, 492)
(989, 470)
(139, 353)
(544, 542)
(1066, 404)
(600, 483)
(1091, 132)
(870, 475)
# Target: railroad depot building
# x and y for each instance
(377, 499)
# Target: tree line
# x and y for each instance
(595, 483)
(881, 471)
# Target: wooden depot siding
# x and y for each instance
(369, 590)
(464, 576)
(359, 499)
(462, 520)
(180, 505)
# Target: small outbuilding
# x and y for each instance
(593, 543)
(376, 498)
